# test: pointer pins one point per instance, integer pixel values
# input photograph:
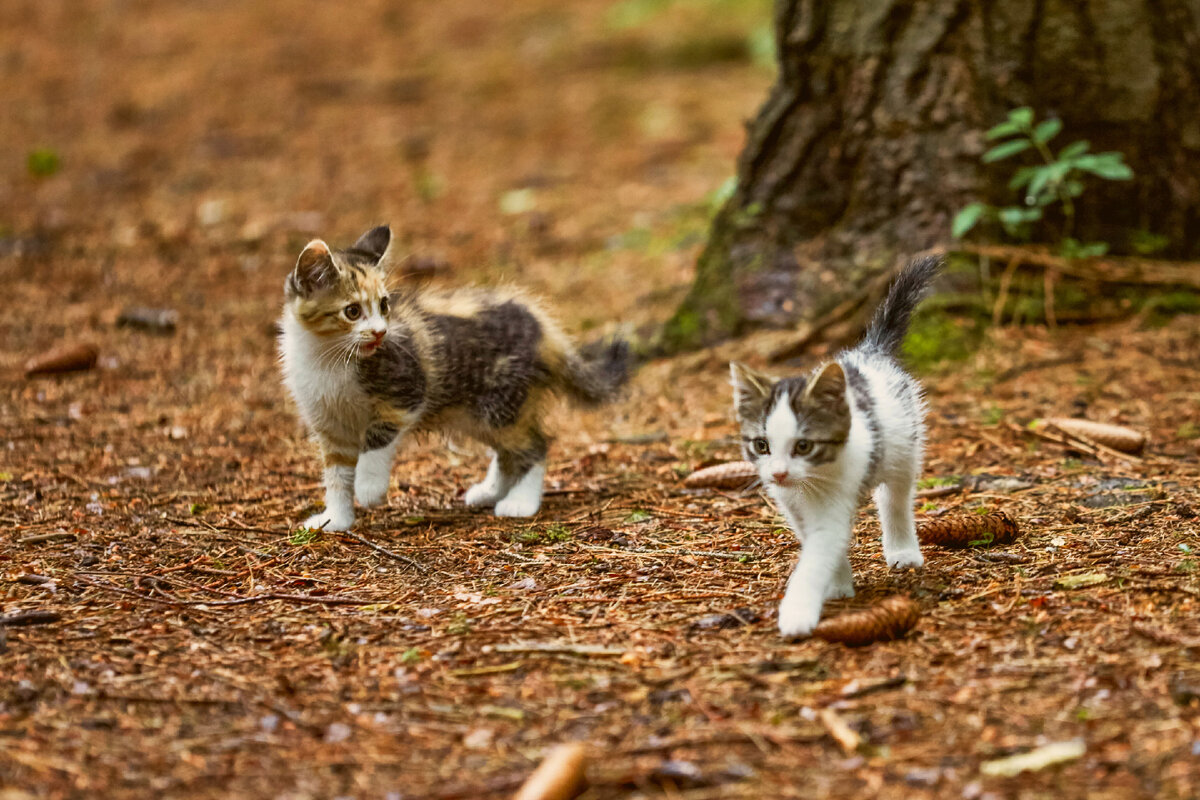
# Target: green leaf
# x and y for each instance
(1110, 166)
(43, 162)
(966, 219)
(1021, 117)
(1047, 130)
(1073, 188)
(1042, 177)
(1073, 149)
(1015, 215)
(1006, 149)
(1002, 130)
(1023, 176)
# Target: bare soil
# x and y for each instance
(204, 648)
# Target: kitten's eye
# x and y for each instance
(383, 306)
(352, 311)
(761, 446)
(803, 447)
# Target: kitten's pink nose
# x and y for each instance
(378, 336)
(779, 476)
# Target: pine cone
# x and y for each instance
(68, 358)
(890, 619)
(1114, 437)
(965, 530)
(733, 475)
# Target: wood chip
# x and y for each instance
(969, 530)
(68, 358)
(1042, 757)
(733, 475)
(839, 730)
(889, 619)
(1115, 437)
(560, 776)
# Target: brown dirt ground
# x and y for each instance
(202, 144)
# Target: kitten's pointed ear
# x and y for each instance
(750, 389)
(375, 241)
(314, 269)
(829, 386)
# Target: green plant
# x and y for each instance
(43, 162)
(303, 536)
(1057, 180)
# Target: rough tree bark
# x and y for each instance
(870, 140)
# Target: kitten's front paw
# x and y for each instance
(326, 521)
(518, 506)
(371, 490)
(797, 618)
(901, 559)
(481, 494)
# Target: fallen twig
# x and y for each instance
(24, 619)
(418, 566)
(560, 647)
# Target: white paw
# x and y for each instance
(900, 559)
(371, 490)
(517, 505)
(481, 494)
(798, 618)
(326, 521)
(838, 591)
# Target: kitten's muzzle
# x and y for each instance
(373, 343)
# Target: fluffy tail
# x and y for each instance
(596, 373)
(886, 332)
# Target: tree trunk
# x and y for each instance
(870, 140)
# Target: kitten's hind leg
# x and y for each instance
(895, 506)
(525, 497)
(374, 469)
(493, 487)
(523, 470)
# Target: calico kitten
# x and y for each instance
(821, 442)
(367, 366)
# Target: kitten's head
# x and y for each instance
(794, 428)
(341, 296)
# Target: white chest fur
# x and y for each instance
(325, 388)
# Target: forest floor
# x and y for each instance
(205, 648)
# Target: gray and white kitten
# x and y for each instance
(821, 442)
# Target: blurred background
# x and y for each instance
(181, 153)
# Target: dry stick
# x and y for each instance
(1002, 294)
(1106, 270)
(46, 537)
(1063, 440)
(418, 566)
(240, 601)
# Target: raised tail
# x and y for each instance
(886, 332)
(597, 372)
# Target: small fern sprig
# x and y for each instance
(1058, 179)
